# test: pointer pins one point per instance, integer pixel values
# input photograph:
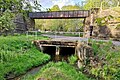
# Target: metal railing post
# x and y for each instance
(55, 34)
(36, 35)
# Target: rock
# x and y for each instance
(79, 64)
(83, 52)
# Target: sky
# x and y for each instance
(60, 3)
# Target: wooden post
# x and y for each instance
(57, 50)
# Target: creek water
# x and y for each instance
(64, 55)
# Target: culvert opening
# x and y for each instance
(64, 52)
(67, 51)
(49, 49)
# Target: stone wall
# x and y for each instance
(110, 30)
(88, 23)
(23, 23)
(84, 52)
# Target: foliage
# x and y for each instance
(55, 8)
(9, 9)
(19, 5)
(6, 22)
(115, 3)
(58, 71)
(104, 20)
(18, 54)
(108, 68)
(72, 59)
(61, 25)
(100, 4)
(71, 7)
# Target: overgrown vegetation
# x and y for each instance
(72, 59)
(107, 57)
(18, 54)
(57, 71)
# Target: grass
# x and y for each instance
(18, 54)
(57, 71)
(109, 59)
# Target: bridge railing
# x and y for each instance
(80, 34)
(32, 33)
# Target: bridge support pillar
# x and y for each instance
(57, 50)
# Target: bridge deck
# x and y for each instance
(59, 14)
(55, 43)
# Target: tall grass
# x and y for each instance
(18, 54)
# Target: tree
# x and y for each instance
(6, 22)
(55, 8)
(71, 7)
(114, 3)
(62, 24)
(72, 24)
(96, 4)
(13, 7)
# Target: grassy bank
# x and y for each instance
(18, 54)
(108, 61)
(57, 71)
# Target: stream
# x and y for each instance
(35, 70)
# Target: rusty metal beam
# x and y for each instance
(60, 14)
